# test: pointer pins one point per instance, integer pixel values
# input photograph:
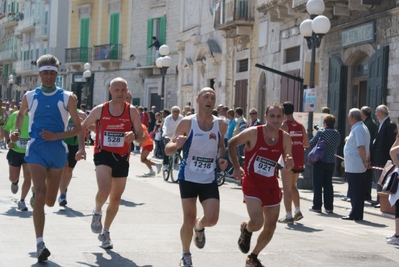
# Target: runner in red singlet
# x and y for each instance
(263, 147)
(117, 126)
(300, 140)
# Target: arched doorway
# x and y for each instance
(359, 82)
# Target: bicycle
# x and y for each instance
(173, 167)
(228, 173)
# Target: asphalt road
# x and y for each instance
(145, 232)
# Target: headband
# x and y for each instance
(42, 68)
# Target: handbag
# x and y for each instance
(391, 183)
(388, 168)
(317, 152)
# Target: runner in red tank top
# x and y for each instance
(262, 195)
(117, 126)
(300, 140)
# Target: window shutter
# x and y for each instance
(162, 31)
(149, 41)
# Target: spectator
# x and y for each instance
(373, 128)
(323, 170)
(168, 130)
(382, 143)
(152, 121)
(356, 154)
(253, 118)
(394, 198)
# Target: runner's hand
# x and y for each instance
(288, 162)
(238, 173)
(81, 154)
(48, 136)
(223, 164)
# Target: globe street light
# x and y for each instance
(313, 30)
(163, 63)
(10, 82)
(87, 75)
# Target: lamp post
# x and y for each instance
(87, 75)
(10, 82)
(313, 30)
(163, 62)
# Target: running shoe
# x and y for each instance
(106, 240)
(286, 220)
(159, 167)
(394, 240)
(298, 216)
(96, 225)
(62, 200)
(186, 261)
(14, 187)
(244, 241)
(253, 262)
(150, 173)
(42, 252)
(22, 206)
(199, 237)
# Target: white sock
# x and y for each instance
(185, 253)
(104, 230)
(197, 226)
(297, 209)
(97, 212)
(289, 215)
(39, 239)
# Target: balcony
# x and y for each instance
(108, 54)
(41, 28)
(76, 57)
(8, 56)
(25, 67)
(26, 25)
(282, 10)
(235, 15)
(11, 20)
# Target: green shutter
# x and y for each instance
(114, 36)
(149, 41)
(84, 40)
(162, 31)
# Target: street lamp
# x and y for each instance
(87, 75)
(10, 82)
(163, 62)
(313, 30)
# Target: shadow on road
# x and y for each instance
(302, 228)
(114, 260)
(15, 213)
(69, 212)
(47, 263)
(129, 203)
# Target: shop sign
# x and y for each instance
(360, 34)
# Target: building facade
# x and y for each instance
(29, 29)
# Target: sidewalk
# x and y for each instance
(340, 189)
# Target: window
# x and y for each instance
(84, 39)
(242, 65)
(292, 54)
(155, 27)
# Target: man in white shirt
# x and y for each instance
(168, 130)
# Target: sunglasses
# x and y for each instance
(175, 111)
(253, 113)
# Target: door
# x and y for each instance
(241, 94)
(377, 78)
(290, 90)
(337, 92)
(156, 101)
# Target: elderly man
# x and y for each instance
(382, 143)
(373, 128)
(168, 130)
(356, 153)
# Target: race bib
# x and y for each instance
(202, 165)
(264, 166)
(21, 143)
(112, 139)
